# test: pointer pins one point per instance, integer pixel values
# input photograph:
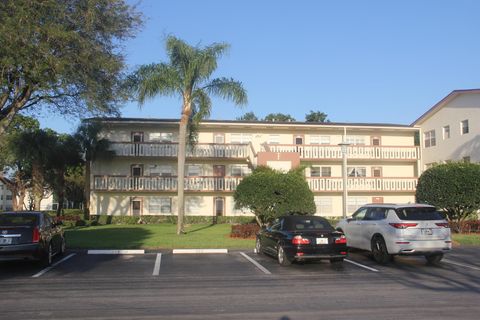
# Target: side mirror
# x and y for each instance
(350, 219)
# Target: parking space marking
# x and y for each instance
(52, 266)
(460, 264)
(255, 263)
(116, 251)
(361, 265)
(156, 268)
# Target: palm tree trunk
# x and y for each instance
(182, 144)
(37, 185)
(86, 209)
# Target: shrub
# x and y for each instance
(106, 219)
(245, 231)
(454, 188)
(269, 194)
(469, 226)
(80, 223)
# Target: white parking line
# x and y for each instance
(53, 266)
(258, 265)
(156, 268)
(460, 264)
(116, 252)
(361, 265)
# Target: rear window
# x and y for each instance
(307, 224)
(12, 220)
(419, 213)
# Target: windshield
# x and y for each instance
(307, 223)
(13, 220)
(419, 213)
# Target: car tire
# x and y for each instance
(434, 258)
(48, 256)
(379, 250)
(258, 246)
(63, 247)
(282, 257)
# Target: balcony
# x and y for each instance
(363, 184)
(201, 150)
(314, 152)
(129, 183)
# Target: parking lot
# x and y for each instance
(239, 284)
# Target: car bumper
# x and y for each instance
(319, 256)
(20, 252)
(315, 253)
(409, 247)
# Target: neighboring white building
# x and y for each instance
(450, 130)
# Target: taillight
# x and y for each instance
(341, 240)
(35, 235)
(443, 224)
(403, 225)
(300, 240)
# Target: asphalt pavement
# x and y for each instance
(240, 285)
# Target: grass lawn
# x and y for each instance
(155, 236)
(471, 239)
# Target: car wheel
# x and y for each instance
(434, 258)
(258, 246)
(379, 250)
(283, 260)
(63, 247)
(48, 256)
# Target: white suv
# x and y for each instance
(391, 229)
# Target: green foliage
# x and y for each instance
(453, 188)
(316, 116)
(269, 194)
(63, 55)
(249, 116)
(279, 117)
(106, 219)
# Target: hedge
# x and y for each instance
(106, 219)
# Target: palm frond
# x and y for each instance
(202, 105)
(156, 79)
(229, 89)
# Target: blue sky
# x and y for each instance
(357, 61)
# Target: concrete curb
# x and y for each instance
(116, 252)
(195, 251)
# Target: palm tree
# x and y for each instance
(187, 74)
(92, 146)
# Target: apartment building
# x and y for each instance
(450, 129)
(383, 164)
(5, 198)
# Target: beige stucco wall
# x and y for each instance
(463, 107)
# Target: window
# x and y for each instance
(194, 170)
(274, 139)
(355, 140)
(193, 205)
(137, 137)
(353, 203)
(375, 214)
(160, 205)
(429, 138)
(317, 171)
(360, 214)
(377, 172)
(357, 171)
(464, 127)
(319, 139)
(219, 138)
(323, 205)
(244, 138)
(161, 136)
(446, 132)
(239, 170)
(8, 197)
(161, 170)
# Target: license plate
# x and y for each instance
(427, 232)
(5, 240)
(322, 240)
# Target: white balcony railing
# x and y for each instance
(202, 150)
(363, 184)
(354, 152)
(129, 183)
